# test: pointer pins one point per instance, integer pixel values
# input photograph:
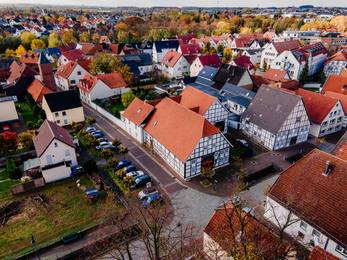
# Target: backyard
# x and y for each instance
(5, 185)
(51, 213)
(30, 112)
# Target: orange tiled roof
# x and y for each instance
(335, 83)
(341, 147)
(317, 105)
(171, 58)
(65, 71)
(112, 80)
(224, 228)
(37, 90)
(275, 75)
(317, 199)
(138, 111)
(178, 128)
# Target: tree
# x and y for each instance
(127, 98)
(54, 40)
(227, 55)
(105, 63)
(220, 48)
(9, 53)
(90, 120)
(303, 78)
(26, 139)
(95, 38)
(68, 37)
(90, 166)
(12, 171)
(207, 48)
(84, 37)
(116, 142)
(123, 150)
(20, 50)
(27, 38)
(8, 142)
(106, 154)
(37, 44)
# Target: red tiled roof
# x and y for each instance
(210, 60)
(47, 132)
(37, 90)
(275, 75)
(338, 96)
(90, 48)
(341, 147)
(189, 49)
(177, 128)
(30, 58)
(171, 58)
(112, 80)
(335, 83)
(243, 41)
(243, 62)
(286, 45)
(339, 56)
(319, 253)
(65, 71)
(317, 105)
(193, 98)
(73, 55)
(314, 197)
(224, 228)
(138, 111)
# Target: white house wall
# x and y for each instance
(57, 152)
(56, 173)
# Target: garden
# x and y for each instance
(51, 213)
(32, 114)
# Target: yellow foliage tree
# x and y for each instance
(26, 38)
(68, 37)
(54, 40)
(20, 50)
(84, 37)
(38, 44)
(9, 53)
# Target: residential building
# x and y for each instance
(340, 149)
(325, 113)
(68, 75)
(234, 75)
(141, 65)
(101, 86)
(56, 151)
(37, 90)
(336, 63)
(70, 55)
(313, 56)
(197, 145)
(253, 54)
(211, 60)
(63, 107)
(335, 83)
(160, 48)
(243, 61)
(174, 65)
(343, 100)
(272, 50)
(8, 110)
(311, 194)
(276, 119)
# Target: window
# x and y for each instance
(55, 144)
(64, 113)
(303, 225)
(67, 152)
(79, 73)
(58, 121)
(73, 81)
(56, 114)
(301, 235)
(49, 159)
(65, 122)
(298, 119)
(315, 233)
(341, 250)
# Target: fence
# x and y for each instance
(108, 115)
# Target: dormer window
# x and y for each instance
(155, 123)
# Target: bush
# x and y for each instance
(13, 172)
(120, 173)
(128, 180)
(116, 142)
(90, 120)
(112, 162)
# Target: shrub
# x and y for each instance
(112, 162)
(90, 120)
(120, 173)
(106, 154)
(116, 142)
(90, 166)
(13, 172)
(128, 180)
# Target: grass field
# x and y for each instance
(64, 210)
(28, 113)
(5, 184)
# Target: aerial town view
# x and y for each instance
(174, 130)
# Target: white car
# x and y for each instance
(135, 174)
(104, 145)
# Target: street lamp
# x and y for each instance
(33, 242)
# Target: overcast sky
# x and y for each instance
(179, 3)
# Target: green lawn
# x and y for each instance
(112, 106)
(5, 185)
(67, 209)
(28, 113)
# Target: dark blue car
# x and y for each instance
(141, 181)
(122, 164)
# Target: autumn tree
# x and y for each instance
(20, 50)
(68, 37)
(9, 53)
(26, 139)
(95, 38)
(303, 78)
(37, 44)
(54, 40)
(84, 37)
(227, 55)
(27, 38)
(8, 142)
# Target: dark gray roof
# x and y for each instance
(208, 72)
(64, 100)
(167, 44)
(228, 74)
(237, 91)
(270, 108)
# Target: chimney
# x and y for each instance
(328, 168)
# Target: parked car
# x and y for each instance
(135, 174)
(242, 142)
(130, 168)
(104, 145)
(71, 238)
(141, 181)
(155, 197)
(98, 135)
(146, 192)
(6, 128)
(97, 132)
(90, 129)
(122, 164)
(102, 139)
